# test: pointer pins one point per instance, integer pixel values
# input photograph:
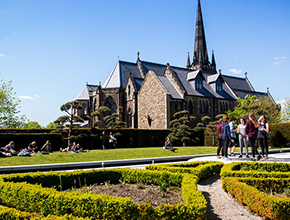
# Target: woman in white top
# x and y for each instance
(243, 137)
(262, 135)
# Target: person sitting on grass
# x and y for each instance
(46, 148)
(32, 147)
(9, 148)
(168, 145)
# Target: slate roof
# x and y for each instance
(235, 87)
(170, 87)
(85, 93)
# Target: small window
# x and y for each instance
(111, 105)
(129, 91)
(84, 110)
(190, 105)
(198, 84)
(218, 86)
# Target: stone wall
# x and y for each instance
(153, 104)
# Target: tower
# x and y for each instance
(200, 55)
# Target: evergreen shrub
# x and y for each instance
(29, 192)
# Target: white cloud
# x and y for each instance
(26, 97)
(276, 58)
(283, 57)
(37, 96)
(2, 55)
(235, 71)
(277, 63)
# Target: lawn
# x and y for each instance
(103, 155)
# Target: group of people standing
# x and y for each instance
(249, 131)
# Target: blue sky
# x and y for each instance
(50, 49)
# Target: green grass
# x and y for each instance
(103, 155)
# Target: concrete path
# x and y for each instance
(274, 156)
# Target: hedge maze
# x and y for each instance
(39, 195)
(254, 184)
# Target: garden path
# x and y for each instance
(220, 205)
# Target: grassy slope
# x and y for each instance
(102, 155)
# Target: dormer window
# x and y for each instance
(198, 84)
(218, 86)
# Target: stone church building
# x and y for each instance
(146, 94)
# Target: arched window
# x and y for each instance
(203, 106)
(111, 104)
(84, 109)
(218, 86)
(198, 84)
(206, 107)
(190, 107)
(129, 91)
(130, 118)
(199, 106)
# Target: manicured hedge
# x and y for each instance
(257, 201)
(22, 140)
(279, 134)
(275, 170)
(201, 169)
(90, 138)
(29, 192)
(14, 214)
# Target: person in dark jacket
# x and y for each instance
(168, 145)
(252, 132)
(262, 135)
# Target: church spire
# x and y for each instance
(213, 60)
(200, 55)
(188, 62)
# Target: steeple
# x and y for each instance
(188, 62)
(213, 60)
(200, 55)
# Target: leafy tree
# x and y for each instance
(209, 126)
(261, 106)
(32, 124)
(106, 121)
(242, 108)
(71, 118)
(51, 125)
(10, 116)
(179, 126)
(285, 113)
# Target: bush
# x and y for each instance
(256, 201)
(279, 134)
(275, 170)
(29, 192)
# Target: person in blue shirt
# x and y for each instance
(226, 136)
(232, 143)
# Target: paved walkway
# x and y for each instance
(283, 157)
(274, 156)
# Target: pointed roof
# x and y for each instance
(86, 92)
(188, 62)
(83, 95)
(213, 60)
(200, 56)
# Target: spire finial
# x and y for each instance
(138, 53)
(246, 74)
(188, 62)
